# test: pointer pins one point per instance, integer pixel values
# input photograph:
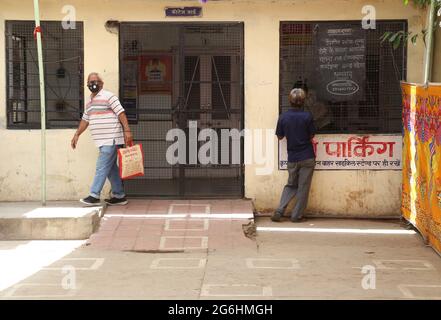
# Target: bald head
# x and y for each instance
(94, 76)
(297, 97)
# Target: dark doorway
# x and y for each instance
(172, 74)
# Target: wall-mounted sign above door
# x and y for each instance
(183, 11)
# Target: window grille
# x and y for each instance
(377, 109)
(63, 71)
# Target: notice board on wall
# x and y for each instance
(352, 152)
(341, 61)
(155, 74)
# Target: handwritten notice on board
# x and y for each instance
(341, 54)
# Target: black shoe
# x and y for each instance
(276, 217)
(90, 201)
(299, 219)
(116, 201)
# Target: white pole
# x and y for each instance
(42, 102)
(428, 56)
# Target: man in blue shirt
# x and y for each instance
(297, 127)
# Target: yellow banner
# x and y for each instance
(421, 194)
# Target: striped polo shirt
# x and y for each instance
(102, 113)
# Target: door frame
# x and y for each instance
(181, 52)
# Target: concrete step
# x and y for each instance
(55, 221)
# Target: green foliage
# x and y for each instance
(420, 3)
(396, 38)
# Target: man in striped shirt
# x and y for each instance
(110, 130)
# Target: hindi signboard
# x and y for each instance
(341, 61)
(183, 11)
(352, 152)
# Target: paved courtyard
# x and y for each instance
(174, 225)
(162, 249)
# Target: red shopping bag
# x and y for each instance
(131, 161)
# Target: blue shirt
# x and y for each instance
(298, 128)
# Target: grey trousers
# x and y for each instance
(299, 183)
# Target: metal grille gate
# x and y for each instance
(172, 74)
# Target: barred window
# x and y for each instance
(63, 71)
(352, 79)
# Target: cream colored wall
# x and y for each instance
(70, 172)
